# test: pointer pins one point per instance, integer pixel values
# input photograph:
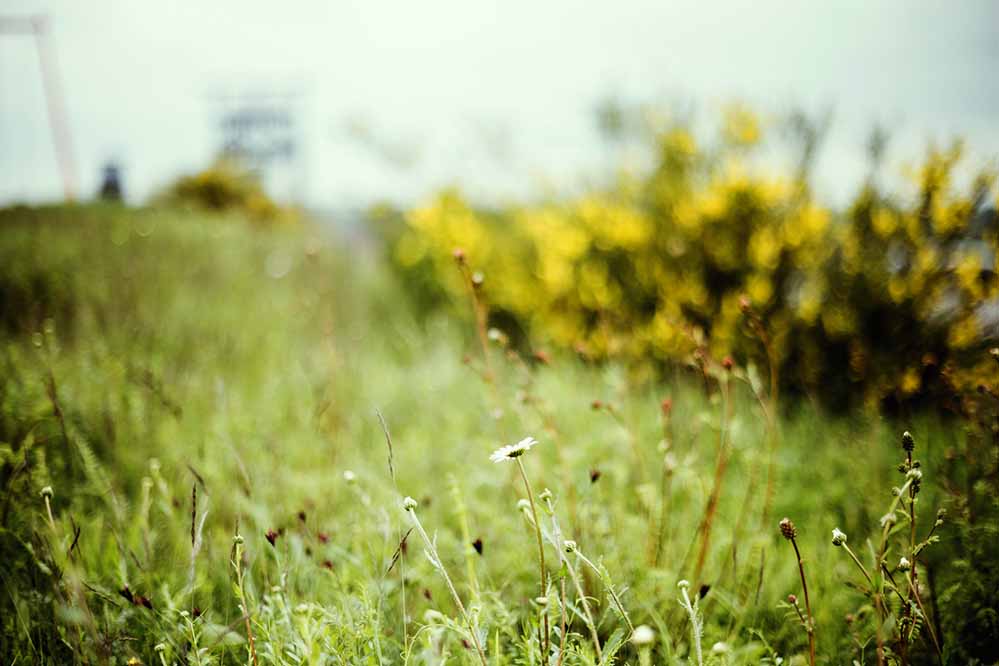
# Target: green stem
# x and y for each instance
(541, 554)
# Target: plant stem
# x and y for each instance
(432, 550)
(541, 555)
(808, 605)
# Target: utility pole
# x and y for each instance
(38, 27)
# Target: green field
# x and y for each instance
(202, 397)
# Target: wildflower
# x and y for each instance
(160, 647)
(349, 476)
(788, 529)
(838, 537)
(683, 584)
(908, 443)
(792, 599)
(459, 255)
(409, 504)
(643, 635)
(238, 539)
(47, 492)
(904, 564)
(719, 648)
(511, 451)
(570, 546)
(271, 536)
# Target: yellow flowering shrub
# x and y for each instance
(877, 302)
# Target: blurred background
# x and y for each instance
(392, 100)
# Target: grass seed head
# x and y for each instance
(788, 529)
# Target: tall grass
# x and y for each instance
(188, 351)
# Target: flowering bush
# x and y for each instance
(877, 302)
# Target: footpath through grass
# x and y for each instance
(193, 471)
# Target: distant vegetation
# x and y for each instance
(704, 252)
(225, 186)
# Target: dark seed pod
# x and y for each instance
(788, 529)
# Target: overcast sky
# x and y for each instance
(497, 95)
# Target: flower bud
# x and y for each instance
(838, 537)
(643, 635)
(788, 529)
(409, 504)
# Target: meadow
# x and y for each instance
(227, 443)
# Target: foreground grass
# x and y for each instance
(200, 398)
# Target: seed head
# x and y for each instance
(459, 255)
(788, 529)
(238, 539)
(523, 505)
(838, 538)
(683, 584)
(570, 546)
(914, 474)
(792, 599)
(666, 406)
(409, 504)
(643, 635)
(545, 495)
(904, 564)
(727, 363)
(47, 492)
(908, 443)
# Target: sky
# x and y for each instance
(398, 98)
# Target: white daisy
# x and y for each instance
(511, 451)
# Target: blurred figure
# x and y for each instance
(111, 189)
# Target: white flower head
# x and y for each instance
(683, 584)
(838, 537)
(409, 504)
(904, 564)
(349, 476)
(512, 451)
(719, 648)
(643, 635)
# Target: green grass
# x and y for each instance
(149, 355)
